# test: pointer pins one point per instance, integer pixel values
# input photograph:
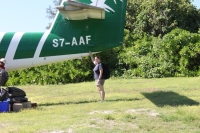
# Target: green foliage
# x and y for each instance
(183, 48)
(151, 47)
(57, 73)
(176, 54)
(158, 17)
(190, 56)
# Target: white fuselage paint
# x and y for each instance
(2, 35)
(41, 43)
(38, 61)
(13, 45)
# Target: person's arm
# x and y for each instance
(92, 58)
(101, 73)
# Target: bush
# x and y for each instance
(176, 54)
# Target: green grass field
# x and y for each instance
(167, 105)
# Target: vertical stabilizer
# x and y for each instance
(104, 33)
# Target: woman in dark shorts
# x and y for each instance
(98, 76)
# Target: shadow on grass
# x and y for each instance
(170, 98)
(91, 101)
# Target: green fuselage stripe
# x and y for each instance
(4, 44)
(27, 45)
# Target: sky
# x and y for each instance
(24, 15)
(29, 15)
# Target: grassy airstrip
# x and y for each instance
(168, 105)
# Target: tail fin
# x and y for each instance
(96, 33)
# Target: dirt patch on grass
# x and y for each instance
(62, 131)
(143, 111)
(101, 112)
(111, 124)
(136, 111)
(2, 125)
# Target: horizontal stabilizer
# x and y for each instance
(80, 11)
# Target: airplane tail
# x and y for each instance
(93, 25)
(79, 27)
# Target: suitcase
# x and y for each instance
(26, 104)
(17, 107)
(4, 106)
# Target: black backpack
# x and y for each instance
(15, 92)
(106, 71)
(3, 77)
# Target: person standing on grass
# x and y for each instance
(98, 75)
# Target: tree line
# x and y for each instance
(161, 39)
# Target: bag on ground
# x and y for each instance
(15, 92)
(18, 99)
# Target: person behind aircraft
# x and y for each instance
(98, 76)
(2, 63)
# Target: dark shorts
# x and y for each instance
(102, 81)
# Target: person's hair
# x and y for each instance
(97, 57)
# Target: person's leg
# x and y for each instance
(101, 92)
(100, 88)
